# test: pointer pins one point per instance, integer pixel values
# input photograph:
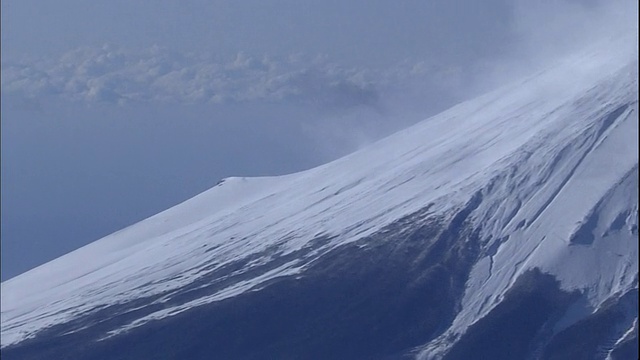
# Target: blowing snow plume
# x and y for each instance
(544, 32)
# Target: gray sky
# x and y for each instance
(95, 137)
(372, 32)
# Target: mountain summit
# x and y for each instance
(503, 228)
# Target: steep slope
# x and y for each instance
(512, 216)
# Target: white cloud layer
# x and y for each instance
(117, 75)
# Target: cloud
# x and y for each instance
(114, 74)
(464, 49)
(547, 31)
(558, 27)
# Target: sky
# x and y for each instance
(115, 110)
(358, 32)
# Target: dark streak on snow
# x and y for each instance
(376, 298)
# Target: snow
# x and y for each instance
(589, 181)
(238, 288)
(626, 336)
(547, 130)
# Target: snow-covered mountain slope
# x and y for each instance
(537, 179)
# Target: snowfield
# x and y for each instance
(554, 155)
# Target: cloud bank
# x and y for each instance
(113, 74)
